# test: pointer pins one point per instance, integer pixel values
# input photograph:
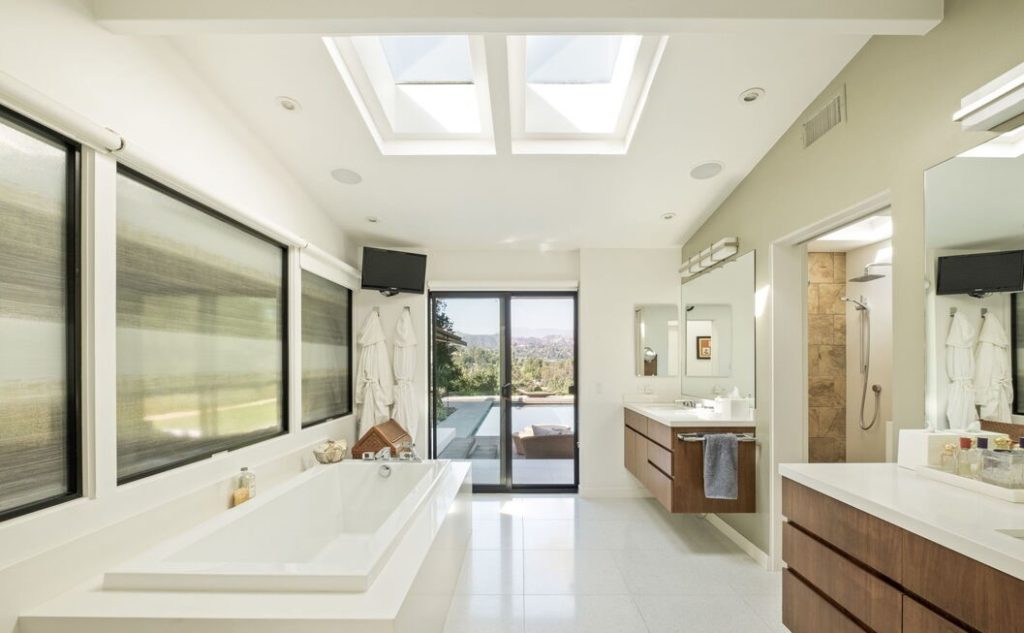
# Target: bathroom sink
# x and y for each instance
(1015, 533)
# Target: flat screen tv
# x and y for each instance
(981, 273)
(392, 272)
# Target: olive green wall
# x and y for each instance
(901, 92)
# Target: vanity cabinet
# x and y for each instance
(673, 469)
(850, 570)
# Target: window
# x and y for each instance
(39, 413)
(201, 331)
(326, 349)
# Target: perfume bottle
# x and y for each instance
(976, 457)
(947, 461)
(962, 458)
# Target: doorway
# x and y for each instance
(503, 387)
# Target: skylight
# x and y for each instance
(419, 94)
(579, 94)
(428, 59)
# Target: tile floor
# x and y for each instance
(566, 564)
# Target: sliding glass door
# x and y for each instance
(504, 387)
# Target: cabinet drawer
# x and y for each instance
(869, 540)
(659, 457)
(629, 449)
(660, 434)
(636, 421)
(804, 611)
(659, 485)
(918, 618)
(688, 477)
(864, 595)
(976, 594)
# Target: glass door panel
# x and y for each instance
(542, 402)
(468, 369)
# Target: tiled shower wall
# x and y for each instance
(826, 362)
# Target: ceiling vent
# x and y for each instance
(828, 117)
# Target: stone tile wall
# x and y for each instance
(826, 362)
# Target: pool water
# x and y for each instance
(525, 415)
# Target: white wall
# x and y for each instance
(145, 90)
(868, 446)
(142, 89)
(612, 282)
(901, 93)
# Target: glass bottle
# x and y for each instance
(977, 457)
(963, 464)
(247, 480)
(947, 461)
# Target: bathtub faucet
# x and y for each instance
(407, 452)
(383, 454)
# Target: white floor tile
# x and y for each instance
(491, 572)
(663, 573)
(583, 614)
(581, 572)
(503, 532)
(485, 614)
(699, 614)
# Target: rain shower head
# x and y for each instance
(868, 275)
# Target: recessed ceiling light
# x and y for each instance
(289, 104)
(668, 216)
(706, 170)
(373, 219)
(751, 95)
(346, 176)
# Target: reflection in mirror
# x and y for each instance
(718, 330)
(656, 336)
(974, 206)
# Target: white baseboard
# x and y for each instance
(741, 541)
(613, 492)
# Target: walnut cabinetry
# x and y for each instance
(850, 570)
(673, 470)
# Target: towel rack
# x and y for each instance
(699, 437)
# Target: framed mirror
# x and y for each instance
(974, 241)
(656, 339)
(718, 330)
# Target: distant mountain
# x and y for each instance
(486, 341)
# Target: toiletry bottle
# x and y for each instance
(977, 457)
(963, 463)
(948, 459)
(247, 480)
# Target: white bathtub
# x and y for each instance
(330, 529)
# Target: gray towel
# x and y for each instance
(721, 456)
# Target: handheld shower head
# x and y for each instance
(860, 305)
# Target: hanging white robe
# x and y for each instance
(993, 383)
(960, 411)
(373, 384)
(405, 409)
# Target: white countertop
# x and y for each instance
(676, 416)
(961, 520)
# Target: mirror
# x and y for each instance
(974, 205)
(718, 333)
(656, 336)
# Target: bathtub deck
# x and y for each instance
(410, 595)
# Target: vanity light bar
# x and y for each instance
(711, 256)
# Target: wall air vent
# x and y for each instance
(831, 115)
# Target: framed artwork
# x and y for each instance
(703, 348)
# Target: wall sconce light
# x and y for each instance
(710, 257)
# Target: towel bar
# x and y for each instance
(699, 437)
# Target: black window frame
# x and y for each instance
(1016, 367)
(72, 314)
(351, 357)
(147, 181)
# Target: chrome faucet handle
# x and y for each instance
(383, 454)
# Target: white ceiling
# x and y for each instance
(693, 115)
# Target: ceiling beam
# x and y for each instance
(323, 17)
